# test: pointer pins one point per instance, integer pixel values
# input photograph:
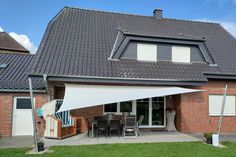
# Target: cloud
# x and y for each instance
(24, 41)
(229, 26)
(1, 29)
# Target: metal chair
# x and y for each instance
(97, 118)
(130, 127)
(114, 126)
(102, 127)
(139, 123)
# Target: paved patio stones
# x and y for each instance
(147, 137)
(16, 142)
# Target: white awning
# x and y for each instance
(80, 96)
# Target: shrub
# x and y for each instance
(208, 137)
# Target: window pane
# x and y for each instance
(158, 113)
(126, 106)
(110, 107)
(147, 52)
(158, 99)
(181, 54)
(215, 105)
(143, 109)
(23, 103)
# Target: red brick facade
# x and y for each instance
(6, 111)
(192, 113)
(194, 110)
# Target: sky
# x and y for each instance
(26, 20)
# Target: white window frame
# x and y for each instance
(146, 52)
(134, 108)
(233, 113)
(150, 116)
(181, 54)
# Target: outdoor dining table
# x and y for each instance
(95, 122)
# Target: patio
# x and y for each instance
(147, 137)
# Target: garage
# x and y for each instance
(22, 117)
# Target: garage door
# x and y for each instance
(22, 117)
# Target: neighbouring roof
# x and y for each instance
(15, 75)
(8, 43)
(78, 42)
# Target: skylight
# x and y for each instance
(3, 65)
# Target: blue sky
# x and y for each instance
(26, 20)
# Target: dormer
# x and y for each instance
(147, 48)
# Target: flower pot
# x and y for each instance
(40, 146)
(209, 141)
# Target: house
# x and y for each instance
(15, 107)
(93, 57)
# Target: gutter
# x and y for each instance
(220, 76)
(21, 90)
(92, 79)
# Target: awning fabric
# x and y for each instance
(80, 96)
(49, 108)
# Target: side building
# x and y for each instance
(15, 107)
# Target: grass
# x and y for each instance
(188, 149)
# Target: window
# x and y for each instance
(4, 65)
(126, 106)
(215, 105)
(147, 52)
(181, 54)
(23, 103)
(110, 107)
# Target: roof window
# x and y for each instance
(3, 65)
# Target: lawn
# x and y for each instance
(188, 149)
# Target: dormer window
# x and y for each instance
(181, 54)
(147, 52)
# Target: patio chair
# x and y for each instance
(139, 123)
(97, 118)
(102, 127)
(125, 114)
(130, 127)
(110, 116)
(114, 126)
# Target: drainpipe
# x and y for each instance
(46, 85)
(33, 116)
(46, 82)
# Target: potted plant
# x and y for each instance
(208, 137)
(40, 146)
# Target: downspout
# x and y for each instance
(46, 85)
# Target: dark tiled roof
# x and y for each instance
(15, 75)
(79, 42)
(8, 43)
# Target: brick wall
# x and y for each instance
(192, 113)
(195, 110)
(6, 111)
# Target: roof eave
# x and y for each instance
(21, 91)
(119, 80)
(228, 76)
